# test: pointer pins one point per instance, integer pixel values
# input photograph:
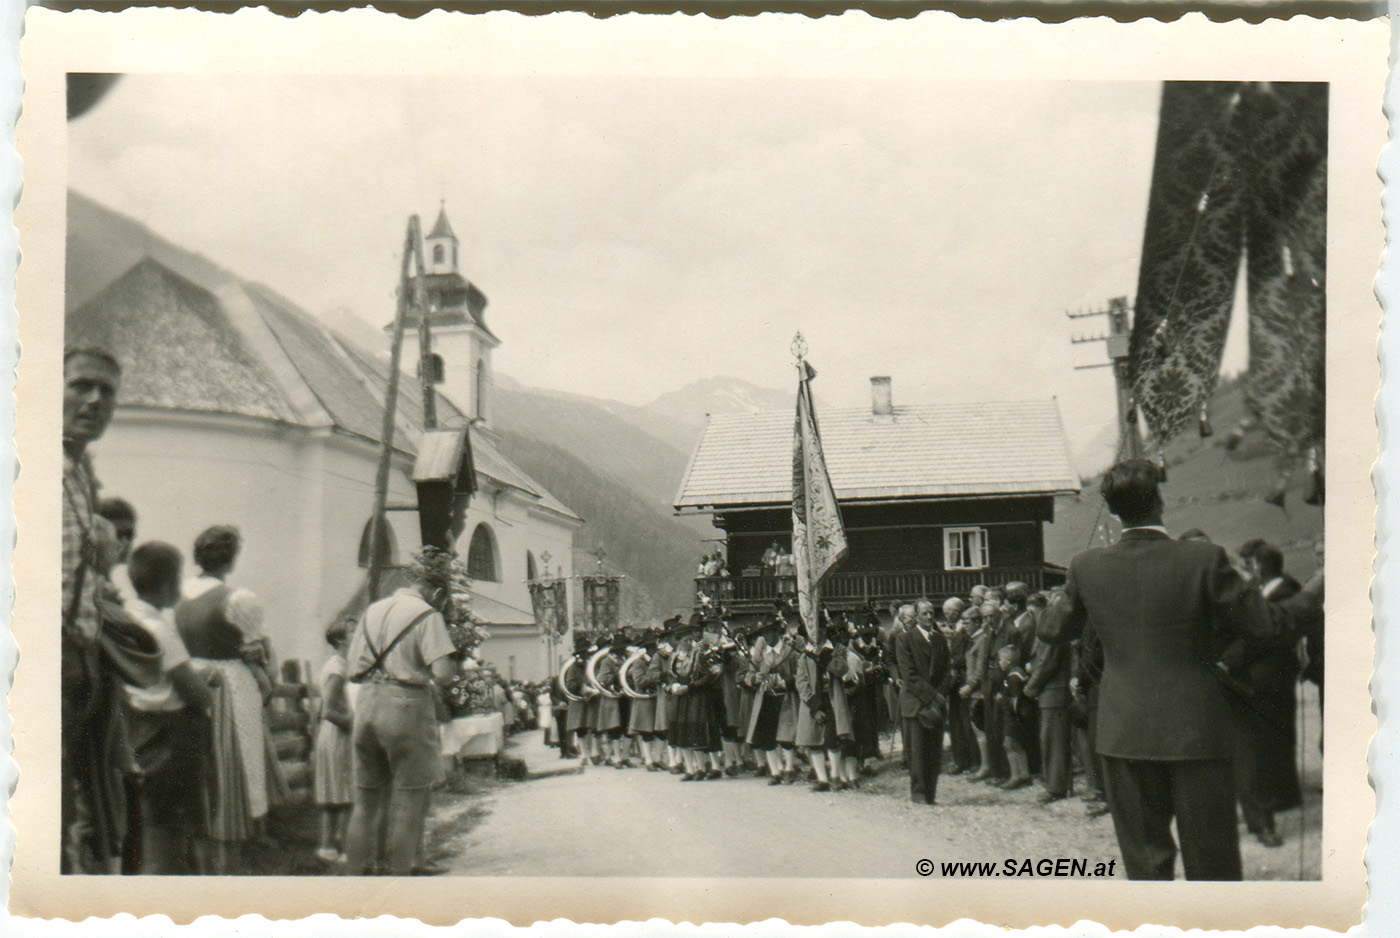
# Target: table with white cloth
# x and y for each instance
(482, 735)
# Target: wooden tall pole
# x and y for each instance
(391, 401)
(427, 369)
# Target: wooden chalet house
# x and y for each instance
(934, 499)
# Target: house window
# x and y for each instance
(964, 548)
(481, 556)
(387, 544)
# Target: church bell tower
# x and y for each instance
(456, 311)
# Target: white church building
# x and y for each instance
(237, 407)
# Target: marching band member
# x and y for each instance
(693, 730)
(748, 680)
(659, 674)
(787, 717)
(771, 656)
(865, 680)
(581, 697)
(735, 664)
(607, 716)
(641, 724)
(714, 656)
(824, 718)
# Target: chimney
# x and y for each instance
(881, 397)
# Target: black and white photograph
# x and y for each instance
(813, 475)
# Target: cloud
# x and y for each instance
(633, 235)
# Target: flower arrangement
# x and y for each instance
(445, 569)
(469, 692)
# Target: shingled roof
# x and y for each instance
(942, 451)
(191, 336)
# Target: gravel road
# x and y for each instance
(610, 822)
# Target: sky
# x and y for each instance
(634, 235)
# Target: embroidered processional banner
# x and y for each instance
(818, 537)
(549, 599)
(1240, 172)
(602, 606)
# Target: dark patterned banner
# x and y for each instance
(550, 601)
(602, 606)
(1240, 171)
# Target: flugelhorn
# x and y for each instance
(590, 672)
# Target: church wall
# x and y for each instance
(517, 527)
(296, 498)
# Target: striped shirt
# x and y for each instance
(79, 503)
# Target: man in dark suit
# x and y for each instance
(921, 656)
(1049, 686)
(903, 619)
(1163, 721)
(1265, 771)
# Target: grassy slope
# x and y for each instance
(1210, 488)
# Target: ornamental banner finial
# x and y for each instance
(799, 347)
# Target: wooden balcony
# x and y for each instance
(842, 591)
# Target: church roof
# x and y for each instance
(441, 229)
(457, 301)
(994, 448)
(191, 336)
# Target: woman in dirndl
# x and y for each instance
(331, 787)
(222, 630)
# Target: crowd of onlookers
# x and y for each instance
(169, 759)
(169, 763)
(1000, 705)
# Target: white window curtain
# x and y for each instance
(964, 548)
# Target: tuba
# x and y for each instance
(639, 655)
(564, 680)
(590, 672)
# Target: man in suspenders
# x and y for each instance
(400, 648)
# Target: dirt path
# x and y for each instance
(609, 822)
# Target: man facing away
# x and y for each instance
(1164, 720)
(169, 727)
(401, 647)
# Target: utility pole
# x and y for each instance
(1120, 326)
(427, 365)
(411, 252)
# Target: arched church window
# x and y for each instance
(438, 254)
(387, 546)
(481, 555)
